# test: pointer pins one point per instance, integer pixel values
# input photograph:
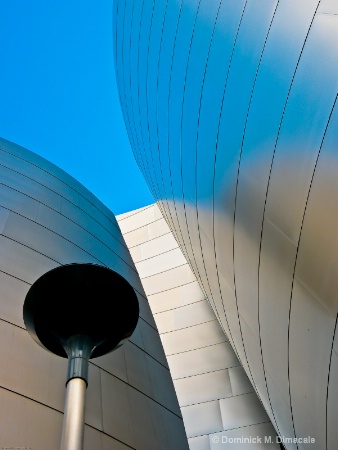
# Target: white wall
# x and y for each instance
(216, 398)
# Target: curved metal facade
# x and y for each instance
(231, 110)
(48, 219)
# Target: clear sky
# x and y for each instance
(58, 94)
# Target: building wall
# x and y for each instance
(216, 398)
(48, 219)
(231, 110)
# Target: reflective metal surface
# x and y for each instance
(48, 219)
(73, 421)
(235, 130)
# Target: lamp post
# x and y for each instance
(79, 312)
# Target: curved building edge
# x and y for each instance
(231, 110)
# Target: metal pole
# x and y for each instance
(73, 420)
(79, 348)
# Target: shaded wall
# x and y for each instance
(48, 219)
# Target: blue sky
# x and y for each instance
(58, 94)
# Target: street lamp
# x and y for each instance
(79, 312)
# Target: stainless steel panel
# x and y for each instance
(209, 261)
(150, 113)
(210, 103)
(194, 251)
(134, 213)
(157, 228)
(159, 283)
(223, 235)
(63, 250)
(146, 29)
(140, 219)
(183, 38)
(18, 202)
(157, 211)
(4, 213)
(332, 403)
(162, 385)
(216, 357)
(142, 429)
(203, 388)
(277, 65)
(278, 255)
(230, 308)
(93, 415)
(162, 91)
(136, 337)
(115, 362)
(22, 262)
(253, 353)
(176, 297)
(45, 179)
(44, 241)
(188, 134)
(245, 63)
(13, 293)
(318, 246)
(193, 337)
(135, 254)
(164, 208)
(21, 157)
(247, 237)
(101, 212)
(186, 316)
(241, 76)
(118, 34)
(30, 187)
(137, 370)
(127, 27)
(92, 439)
(82, 234)
(240, 383)
(303, 126)
(242, 410)
(44, 373)
(328, 7)
(145, 312)
(282, 412)
(160, 263)
(152, 343)
(117, 420)
(155, 247)
(20, 419)
(199, 443)
(159, 428)
(172, 422)
(98, 225)
(311, 335)
(136, 237)
(16, 151)
(109, 443)
(202, 419)
(178, 69)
